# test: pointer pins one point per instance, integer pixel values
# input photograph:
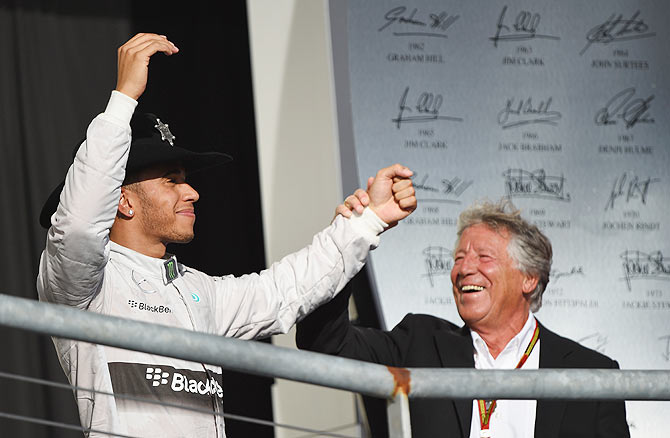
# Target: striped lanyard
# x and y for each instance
(486, 407)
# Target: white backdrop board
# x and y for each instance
(560, 106)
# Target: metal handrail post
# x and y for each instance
(397, 410)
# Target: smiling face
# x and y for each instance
(163, 204)
(489, 290)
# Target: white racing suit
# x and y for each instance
(82, 268)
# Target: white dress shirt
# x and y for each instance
(511, 418)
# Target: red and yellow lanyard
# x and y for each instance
(486, 407)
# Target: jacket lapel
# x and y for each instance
(455, 351)
(549, 413)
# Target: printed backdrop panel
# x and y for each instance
(560, 106)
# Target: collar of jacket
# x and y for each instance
(165, 269)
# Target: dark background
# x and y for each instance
(57, 69)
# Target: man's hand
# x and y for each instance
(356, 202)
(390, 195)
(133, 64)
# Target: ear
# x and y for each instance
(529, 283)
(126, 204)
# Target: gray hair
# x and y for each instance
(528, 246)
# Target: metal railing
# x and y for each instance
(335, 372)
(332, 432)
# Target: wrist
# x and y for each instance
(368, 224)
(120, 107)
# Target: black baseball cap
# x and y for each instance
(152, 143)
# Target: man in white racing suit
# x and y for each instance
(124, 198)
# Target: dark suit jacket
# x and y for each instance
(427, 341)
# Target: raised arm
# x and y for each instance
(77, 246)
(272, 301)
